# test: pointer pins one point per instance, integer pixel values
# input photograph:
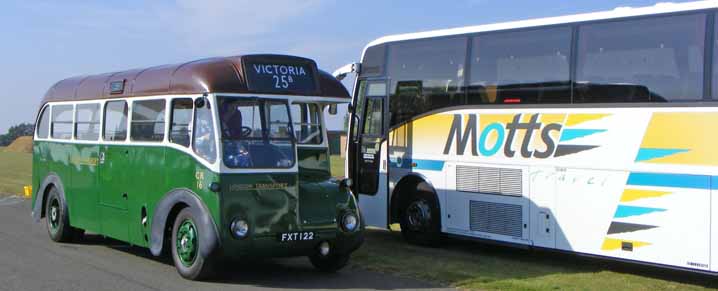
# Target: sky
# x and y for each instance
(47, 41)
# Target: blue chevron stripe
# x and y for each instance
(574, 133)
(626, 211)
(645, 154)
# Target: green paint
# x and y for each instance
(307, 200)
(187, 244)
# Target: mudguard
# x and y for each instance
(51, 179)
(207, 228)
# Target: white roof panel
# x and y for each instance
(619, 12)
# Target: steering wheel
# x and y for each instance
(246, 131)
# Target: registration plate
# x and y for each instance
(296, 236)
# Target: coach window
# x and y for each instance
(521, 67)
(148, 121)
(645, 60)
(87, 122)
(180, 121)
(307, 123)
(62, 121)
(43, 124)
(115, 127)
(203, 135)
(425, 75)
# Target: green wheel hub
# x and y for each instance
(53, 215)
(186, 243)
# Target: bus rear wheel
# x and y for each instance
(186, 240)
(57, 218)
(420, 220)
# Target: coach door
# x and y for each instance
(370, 152)
(114, 161)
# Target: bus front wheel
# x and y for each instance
(329, 263)
(420, 220)
(57, 218)
(187, 258)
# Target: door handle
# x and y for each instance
(102, 157)
(124, 195)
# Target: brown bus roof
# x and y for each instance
(213, 75)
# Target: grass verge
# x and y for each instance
(15, 172)
(478, 266)
(337, 166)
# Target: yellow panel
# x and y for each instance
(635, 194)
(575, 119)
(428, 134)
(612, 244)
(687, 131)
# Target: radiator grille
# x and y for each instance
(496, 218)
(489, 180)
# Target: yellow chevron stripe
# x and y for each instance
(612, 244)
(575, 119)
(635, 194)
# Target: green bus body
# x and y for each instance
(310, 202)
(133, 191)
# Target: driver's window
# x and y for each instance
(374, 113)
(307, 123)
(203, 140)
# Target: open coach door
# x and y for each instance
(367, 152)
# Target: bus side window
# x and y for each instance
(645, 60)
(148, 120)
(521, 67)
(87, 122)
(43, 124)
(436, 65)
(307, 126)
(180, 121)
(62, 121)
(115, 121)
(204, 139)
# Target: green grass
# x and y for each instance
(337, 164)
(476, 266)
(15, 172)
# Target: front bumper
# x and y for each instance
(271, 247)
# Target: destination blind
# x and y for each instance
(277, 77)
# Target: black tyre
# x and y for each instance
(187, 258)
(421, 218)
(329, 263)
(57, 219)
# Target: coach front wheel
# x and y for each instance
(420, 220)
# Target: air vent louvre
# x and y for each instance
(489, 180)
(496, 218)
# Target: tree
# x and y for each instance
(23, 129)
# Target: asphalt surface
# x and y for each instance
(29, 260)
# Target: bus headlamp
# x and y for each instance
(239, 228)
(350, 222)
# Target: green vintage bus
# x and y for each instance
(214, 159)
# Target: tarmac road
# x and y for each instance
(29, 260)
